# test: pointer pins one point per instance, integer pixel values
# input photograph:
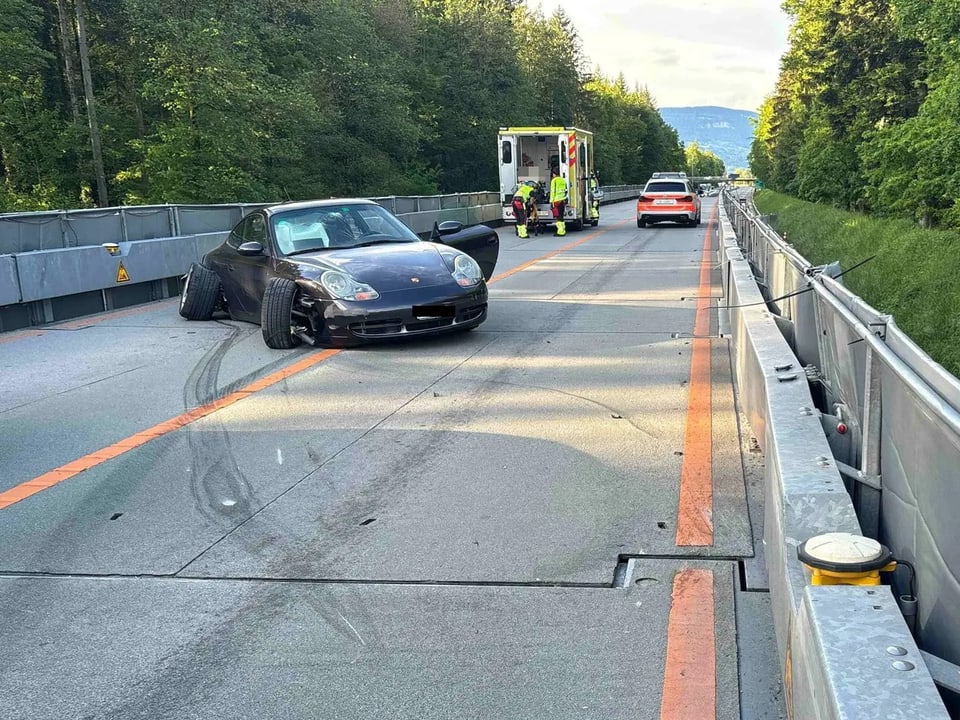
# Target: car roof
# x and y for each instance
(671, 174)
(311, 204)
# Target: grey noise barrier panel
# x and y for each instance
(56, 268)
(835, 642)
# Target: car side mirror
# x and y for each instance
(251, 248)
(447, 227)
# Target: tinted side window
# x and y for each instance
(235, 239)
(255, 229)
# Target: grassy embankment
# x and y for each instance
(915, 275)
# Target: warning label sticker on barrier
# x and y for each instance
(122, 275)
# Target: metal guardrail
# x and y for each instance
(842, 648)
(58, 229)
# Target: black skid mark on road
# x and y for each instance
(219, 488)
(185, 678)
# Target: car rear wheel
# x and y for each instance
(641, 223)
(201, 290)
(276, 314)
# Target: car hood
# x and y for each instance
(387, 267)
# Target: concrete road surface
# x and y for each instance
(542, 518)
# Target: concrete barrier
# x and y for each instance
(9, 280)
(841, 647)
(55, 273)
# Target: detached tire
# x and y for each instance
(201, 290)
(276, 314)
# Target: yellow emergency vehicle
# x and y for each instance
(529, 153)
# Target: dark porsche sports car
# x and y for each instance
(342, 272)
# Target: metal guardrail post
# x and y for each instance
(868, 498)
(64, 235)
(123, 225)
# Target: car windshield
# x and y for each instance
(337, 226)
(671, 187)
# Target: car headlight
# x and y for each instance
(466, 271)
(343, 287)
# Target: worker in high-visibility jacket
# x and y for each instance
(522, 202)
(558, 199)
(596, 195)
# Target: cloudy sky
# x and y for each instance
(692, 52)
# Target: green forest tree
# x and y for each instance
(864, 112)
(37, 134)
(209, 102)
(703, 163)
(911, 162)
(631, 139)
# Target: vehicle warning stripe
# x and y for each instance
(690, 674)
(75, 467)
(695, 506)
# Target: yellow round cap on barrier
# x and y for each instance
(845, 559)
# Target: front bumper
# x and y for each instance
(405, 316)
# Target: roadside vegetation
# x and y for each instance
(864, 115)
(914, 276)
(702, 162)
(149, 101)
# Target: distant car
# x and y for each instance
(672, 200)
(343, 272)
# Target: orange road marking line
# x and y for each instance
(690, 675)
(19, 335)
(568, 246)
(695, 507)
(74, 468)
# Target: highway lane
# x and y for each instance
(420, 530)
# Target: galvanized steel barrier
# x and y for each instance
(52, 265)
(845, 651)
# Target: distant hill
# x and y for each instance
(725, 132)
